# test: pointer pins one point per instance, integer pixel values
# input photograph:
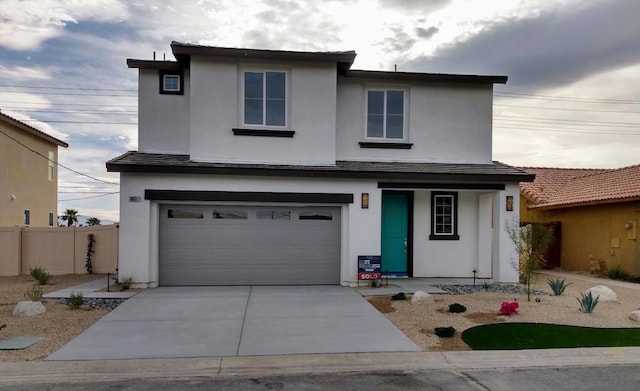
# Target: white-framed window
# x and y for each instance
(51, 167)
(171, 82)
(264, 98)
(386, 114)
(444, 216)
(27, 217)
(51, 215)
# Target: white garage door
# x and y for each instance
(241, 245)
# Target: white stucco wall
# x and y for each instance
(138, 254)
(163, 119)
(216, 109)
(505, 255)
(446, 123)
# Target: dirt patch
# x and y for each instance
(58, 325)
(419, 321)
(382, 304)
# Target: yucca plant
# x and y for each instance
(557, 286)
(587, 302)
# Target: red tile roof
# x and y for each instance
(564, 187)
(30, 129)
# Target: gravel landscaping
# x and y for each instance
(58, 325)
(419, 321)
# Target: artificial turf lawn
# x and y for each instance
(514, 336)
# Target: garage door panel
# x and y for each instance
(251, 250)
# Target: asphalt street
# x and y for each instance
(596, 378)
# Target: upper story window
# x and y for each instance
(171, 83)
(386, 114)
(51, 168)
(265, 98)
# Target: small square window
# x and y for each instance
(171, 83)
(27, 217)
(444, 216)
(51, 219)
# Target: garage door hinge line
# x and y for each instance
(244, 318)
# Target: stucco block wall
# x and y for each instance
(599, 231)
(445, 123)
(25, 175)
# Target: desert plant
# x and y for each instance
(126, 283)
(76, 299)
(374, 283)
(90, 242)
(445, 332)
(486, 285)
(531, 242)
(557, 286)
(509, 308)
(34, 293)
(616, 273)
(457, 308)
(399, 296)
(587, 302)
(39, 274)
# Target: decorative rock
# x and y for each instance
(28, 308)
(635, 315)
(421, 297)
(603, 293)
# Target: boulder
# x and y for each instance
(28, 308)
(635, 315)
(421, 297)
(603, 293)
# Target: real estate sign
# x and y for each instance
(369, 267)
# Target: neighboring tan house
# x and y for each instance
(28, 175)
(596, 212)
(281, 167)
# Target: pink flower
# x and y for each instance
(509, 308)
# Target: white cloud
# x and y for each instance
(23, 73)
(31, 22)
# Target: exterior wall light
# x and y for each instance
(509, 203)
(364, 201)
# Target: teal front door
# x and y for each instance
(395, 233)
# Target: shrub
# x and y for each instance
(399, 296)
(587, 302)
(374, 283)
(126, 283)
(75, 300)
(456, 308)
(557, 286)
(486, 285)
(509, 308)
(34, 293)
(90, 242)
(445, 332)
(616, 273)
(40, 275)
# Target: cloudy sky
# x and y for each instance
(572, 100)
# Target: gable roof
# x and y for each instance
(567, 187)
(31, 130)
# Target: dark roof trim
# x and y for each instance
(31, 130)
(425, 77)
(152, 64)
(460, 186)
(182, 51)
(263, 132)
(247, 196)
(385, 145)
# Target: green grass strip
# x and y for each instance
(515, 336)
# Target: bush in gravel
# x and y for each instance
(588, 302)
(126, 283)
(34, 293)
(557, 286)
(445, 332)
(457, 308)
(39, 274)
(75, 300)
(399, 296)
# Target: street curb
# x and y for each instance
(222, 367)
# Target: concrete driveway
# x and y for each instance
(237, 321)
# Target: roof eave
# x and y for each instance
(33, 131)
(153, 64)
(426, 77)
(548, 206)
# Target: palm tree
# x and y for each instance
(93, 221)
(70, 216)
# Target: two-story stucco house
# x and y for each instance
(28, 174)
(282, 167)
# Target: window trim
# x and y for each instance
(405, 115)
(163, 74)
(454, 220)
(241, 96)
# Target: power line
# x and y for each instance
(66, 94)
(555, 130)
(86, 198)
(80, 122)
(71, 111)
(66, 104)
(616, 123)
(56, 163)
(565, 98)
(567, 109)
(67, 88)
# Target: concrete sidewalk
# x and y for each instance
(90, 290)
(220, 367)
